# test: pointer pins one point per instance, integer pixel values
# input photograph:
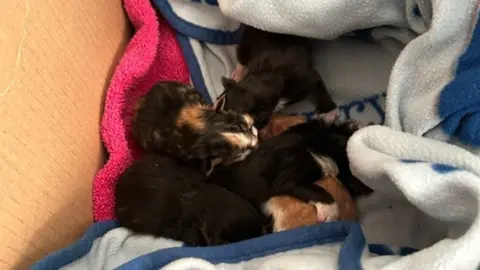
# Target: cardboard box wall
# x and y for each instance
(56, 60)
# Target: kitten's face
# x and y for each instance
(237, 130)
(219, 136)
(240, 99)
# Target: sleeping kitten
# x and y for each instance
(278, 70)
(289, 213)
(291, 163)
(165, 197)
(173, 118)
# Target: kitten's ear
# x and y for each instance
(228, 83)
(220, 104)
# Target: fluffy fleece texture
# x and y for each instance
(152, 55)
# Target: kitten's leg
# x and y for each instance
(318, 94)
(327, 208)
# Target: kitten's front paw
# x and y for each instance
(326, 212)
(329, 117)
(239, 72)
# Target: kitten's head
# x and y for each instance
(216, 135)
(246, 97)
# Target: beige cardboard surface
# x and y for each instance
(56, 59)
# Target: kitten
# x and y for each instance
(289, 213)
(173, 118)
(165, 197)
(279, 72)
(291, 163)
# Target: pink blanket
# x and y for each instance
(152, 55)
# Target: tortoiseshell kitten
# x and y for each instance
(278, 70)
(173, 118)
(166, 197)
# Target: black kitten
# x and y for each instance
(165, 197)
(173, 118)
(290, 164)
(279, 71)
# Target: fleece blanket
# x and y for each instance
(326, 246)
(152, 55)
(410, 64)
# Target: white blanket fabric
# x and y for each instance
(432, 93)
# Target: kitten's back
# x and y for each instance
(159, 195)
(255, 42)
(289, 155)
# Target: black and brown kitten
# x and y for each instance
(292, 163)
(173, 118)
(279, 71)
(166, 197)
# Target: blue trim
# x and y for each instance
(459, 101)
(77, 250)
(193, 66)
(410, 161)
(443, 168)
(194, 31)
(380, 249)
(373, 100)
(352, 249)
(212, 2)
(349, 232)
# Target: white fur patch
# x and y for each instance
(254, 131)
(277, 213)
(326, 212)
(327, 164)
(249, 120)
(280, 105)
(329, 117)
(245, 154)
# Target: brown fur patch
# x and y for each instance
(138, 106)
(280, 123)
(345, 202)
(191, 116)
(289, 213)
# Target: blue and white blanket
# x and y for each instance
(412, 66)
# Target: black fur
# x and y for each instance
(280, 67)
(159, 126)
(164, 197)
(283, 165)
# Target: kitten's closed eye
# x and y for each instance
(239, 128)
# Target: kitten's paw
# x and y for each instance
(329, 117)
(326, 212)
(239, 72)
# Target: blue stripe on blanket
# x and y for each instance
(194, 31)
(438, 167)
(77, 250)
(193, 66)
(349, 232)
(459, 103)
(349, 258)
